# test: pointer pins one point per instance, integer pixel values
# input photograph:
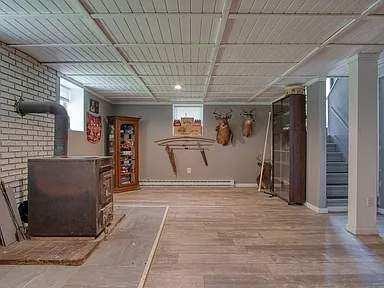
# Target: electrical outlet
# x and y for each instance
(189, 170)
(369, 201)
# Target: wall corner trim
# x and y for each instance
(315, 208)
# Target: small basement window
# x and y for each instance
(188, 120)
(72, 98)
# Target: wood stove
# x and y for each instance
(69, 196)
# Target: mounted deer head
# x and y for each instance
(224, 133)
(249, 118)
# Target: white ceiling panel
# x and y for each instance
(37, 6)
(107, 80)
(101, 69)
(168, 53)
(181, 95)
(300, 6)
(170, 88)
(234, 88)
(326, 60)
(369, 30)
(240, 80)
(173, 80)
(265, 69)
(268, 53)
(72, 54)
(171, 69)
(163, 28)
(48, 30)
(282, 28)
(152, 6)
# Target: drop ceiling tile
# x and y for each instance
(300, 6)
(282, 28)
(266, 69)
(171, 69)
(72, 54)
(161, 28)
(263, 53)
(168, 53)
(111, 68)
(40, 30)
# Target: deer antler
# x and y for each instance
(218, 115)
(249, 114)
(228, 115)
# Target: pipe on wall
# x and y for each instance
(61, 120)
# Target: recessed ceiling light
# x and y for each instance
(177, 87)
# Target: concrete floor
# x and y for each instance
(117, 262)
(240, 238)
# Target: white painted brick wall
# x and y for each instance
(33, 135)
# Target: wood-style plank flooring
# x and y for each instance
(219, 238)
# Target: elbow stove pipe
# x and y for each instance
(61, 120)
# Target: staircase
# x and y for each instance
(337, 178)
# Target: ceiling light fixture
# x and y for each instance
(177, 87)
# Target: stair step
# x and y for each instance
(340, 166)
(337, 205)
(330, 139)
(337, 191)
(337, 178)
(337, 202)
(332, 147)
(334, 157)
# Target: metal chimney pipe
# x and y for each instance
(61, 121)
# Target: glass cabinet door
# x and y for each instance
(127, 154)
(281, 148)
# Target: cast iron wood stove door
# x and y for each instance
(124, 146)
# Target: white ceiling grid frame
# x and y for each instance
(334, 36)
(107, 40)
(223, 23)
(87, 15)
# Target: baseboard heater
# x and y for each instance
(220, 183)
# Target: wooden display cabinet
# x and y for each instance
(123, 145)
(289, 146)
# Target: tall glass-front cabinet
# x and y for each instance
(123, 145)
(289, 146)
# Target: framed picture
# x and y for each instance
(93, 106)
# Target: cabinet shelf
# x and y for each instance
(124, 148)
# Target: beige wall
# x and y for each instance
(77, 141)
(236, 161)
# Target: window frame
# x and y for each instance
(75, 97)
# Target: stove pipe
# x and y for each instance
(61, 121)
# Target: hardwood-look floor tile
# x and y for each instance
(239, 238)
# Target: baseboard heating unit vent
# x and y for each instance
(221, 183)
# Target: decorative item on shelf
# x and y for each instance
(93, 106)
(224, 133)
(123, 145)
(94, 128)
(185, 143)
(249, 118)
